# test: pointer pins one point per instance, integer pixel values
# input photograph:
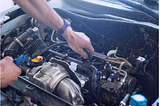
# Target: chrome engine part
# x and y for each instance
(51, 76)
(70, 91)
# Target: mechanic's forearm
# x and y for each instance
(41, 11)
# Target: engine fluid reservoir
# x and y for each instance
(138, 100)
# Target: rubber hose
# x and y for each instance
(16, 46)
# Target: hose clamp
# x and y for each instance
(19, 42)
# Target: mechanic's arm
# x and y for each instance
(9, 72)
(41, 11)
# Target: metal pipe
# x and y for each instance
(129, 64)
(125, 99)
(112, 61)
(119, 69)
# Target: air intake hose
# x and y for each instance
(15, 48)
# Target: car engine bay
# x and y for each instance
(125, 62)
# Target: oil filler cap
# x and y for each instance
(138, 100)
(37, 59)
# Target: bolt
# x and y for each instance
(78, 99)
(54, 64)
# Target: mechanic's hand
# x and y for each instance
(78, 41)
(9, 72)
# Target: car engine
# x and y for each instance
(123, 64)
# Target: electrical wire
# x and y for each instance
(52, 37)
(41, 51)
(98, 89)
(144, 67)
